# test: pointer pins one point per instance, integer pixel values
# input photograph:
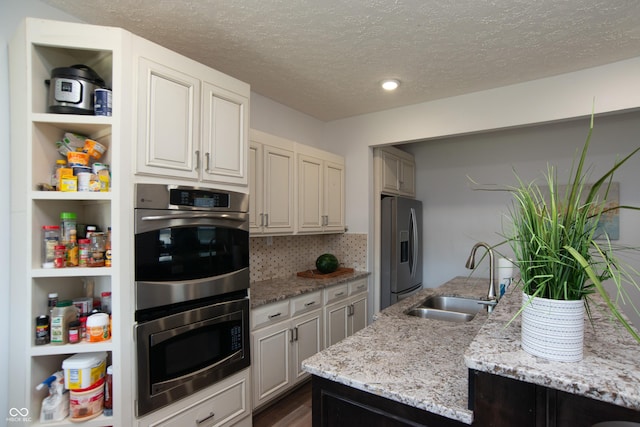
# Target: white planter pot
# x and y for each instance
(553, 329)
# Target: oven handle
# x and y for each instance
(224, 216)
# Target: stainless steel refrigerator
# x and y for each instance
(401, 249)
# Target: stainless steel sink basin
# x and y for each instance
(449, 308)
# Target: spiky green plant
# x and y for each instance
(553, 237)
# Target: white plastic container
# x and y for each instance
(84, 369)
(98, 327)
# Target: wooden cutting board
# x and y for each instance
(315, 274)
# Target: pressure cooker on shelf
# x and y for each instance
(71, 89)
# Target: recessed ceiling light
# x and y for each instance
(390, 84)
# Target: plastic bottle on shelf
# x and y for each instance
(105, 302)
(68, 236)
(107, 249)
(50, 239)
(62, 315)
(108, 392)
(57, 172)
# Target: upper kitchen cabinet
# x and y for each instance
(321, 191)
(192, 120)
(396, 171)
(271, 184)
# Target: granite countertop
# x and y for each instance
(418, 362)
(609, 371)
(268, 291)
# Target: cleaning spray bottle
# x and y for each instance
(55, 407)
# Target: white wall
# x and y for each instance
(12, 13)
(276, 119)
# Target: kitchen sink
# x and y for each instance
(448, 308)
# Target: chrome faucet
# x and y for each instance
(471, 264)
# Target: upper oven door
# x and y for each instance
(175, 246)
(192, 253)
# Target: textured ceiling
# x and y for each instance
(326, 58)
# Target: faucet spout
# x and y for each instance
(471, 264)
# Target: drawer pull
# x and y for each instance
(339, 294)
(309, 303)
(205, 419)
(271, 316)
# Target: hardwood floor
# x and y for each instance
(292, 410)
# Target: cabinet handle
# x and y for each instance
(272, 316)
(339, 294)
(350, 310)
(310, 303)
(205, 419)
(206, 157)
(266, 220)
(261, 220)
(291, 335)
(197, 159)
(295, 334)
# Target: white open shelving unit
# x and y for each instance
(39, 47)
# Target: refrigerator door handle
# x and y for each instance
(413, 246)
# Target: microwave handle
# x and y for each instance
(157, 338)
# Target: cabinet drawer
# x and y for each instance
(358, 286)
(306, 302)
(214, 410)
(270, 313)
(336, 293)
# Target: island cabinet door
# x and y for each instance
(502, 402)
(337, 405)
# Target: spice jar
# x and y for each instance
(84, 245)
(42, 330)
(75, 335)
(60, 256)
(105, 302)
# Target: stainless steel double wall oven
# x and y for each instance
(191, 286)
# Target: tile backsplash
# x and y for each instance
(287, 255)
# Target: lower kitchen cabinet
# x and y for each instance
(504, 402)
(338, 405)
(345, 311)
(226, 403)
(279, 348)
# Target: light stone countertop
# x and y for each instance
(418, 362)
(609, 371)
(268, 291)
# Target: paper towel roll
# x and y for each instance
(505, 274)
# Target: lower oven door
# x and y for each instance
(188, 351)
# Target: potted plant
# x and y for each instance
(561, 257)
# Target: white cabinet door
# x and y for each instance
(271, 183)
(224, 135)
(334, 197)
(321, 195)
(336, 322)
(307, 341)
(168, 121)
(390, 170)
(271, 361)
(278, 190)
(407, 181)
(310, 194)
(256, 188)
(358, 313)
